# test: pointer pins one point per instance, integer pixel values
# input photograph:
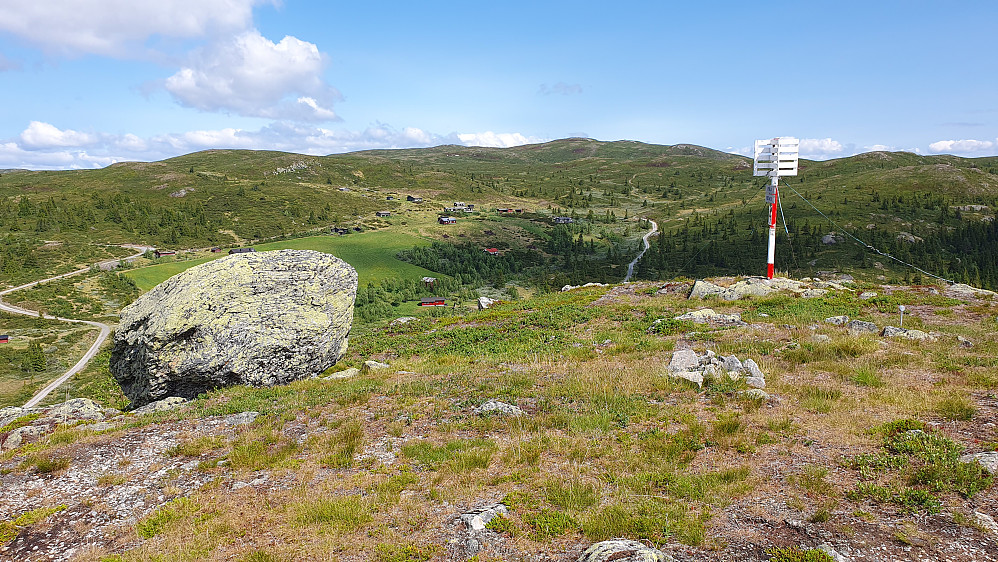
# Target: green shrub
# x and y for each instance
(548, 523)
(956, 407)
(392, 552)
(347, 513)
(160, 519)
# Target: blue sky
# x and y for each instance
(86, 83)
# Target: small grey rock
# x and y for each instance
(964, 342)
(820, 338)
(683, 360)
(242, 418)
(75, 410)
(692, 376)
(623, 550)
(732, 363)
(866, 295)
(497, 407)
(837, 320)
(163, 405)
(755, 394)
(753, 369)
(98, 426)
(989, 460)
(914, 335)
(344, 374)
(22, 435)
(402, 320)
(477, 519)
(755, 382)
(986, 522)
(859, 326)
(836, 556)
(374, 366)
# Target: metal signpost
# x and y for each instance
(774, 158)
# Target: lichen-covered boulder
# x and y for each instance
(257, 319)
(623, 550)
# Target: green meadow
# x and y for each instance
(372, 254)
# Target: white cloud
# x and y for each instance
(40, 135)
(879, 148)
(966, 146)
(560, 88)
(120, 27)
(497, 140)
(253, 76)
(820, 148)
(44, 146)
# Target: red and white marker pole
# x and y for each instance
(771, 256)
(774, 158)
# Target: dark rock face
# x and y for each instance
(258, 319)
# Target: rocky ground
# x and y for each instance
(80, 482)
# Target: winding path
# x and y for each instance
(630, 266)
(105, 330)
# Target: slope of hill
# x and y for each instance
(711, 210)
(858, 443)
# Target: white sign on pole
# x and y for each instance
(776, 157)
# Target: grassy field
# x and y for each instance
(372, 254)
(607, 446)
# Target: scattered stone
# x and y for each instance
(623, 550)
(752, 369)
(831, 238)
(485, 302)
(242, 418)
(837, 320)
(754, 394)
(161, 405)
(477, 519)
(77, 409)
(97, 426)
(498, 408)
(963, 292)
(755, 382)
(11, 413)
(371, 365)
(859, 326)
(908, 237)
(344, 374)
(986, 522)
(691, 376)
(703, 289)
(708, 316)
(989, 460)
(255, 318)
(731, 363)
(683, 360)
(964, 342)
(21, 436)
(835, 555)
(402, 320)
(915, 335)
(867, 295)
(820, 338)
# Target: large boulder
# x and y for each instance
(257, 319)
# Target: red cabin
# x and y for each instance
(4, 338)
(492, 251)
(432, 301)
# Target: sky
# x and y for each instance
(86, 83)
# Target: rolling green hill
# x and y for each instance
(923, 209)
